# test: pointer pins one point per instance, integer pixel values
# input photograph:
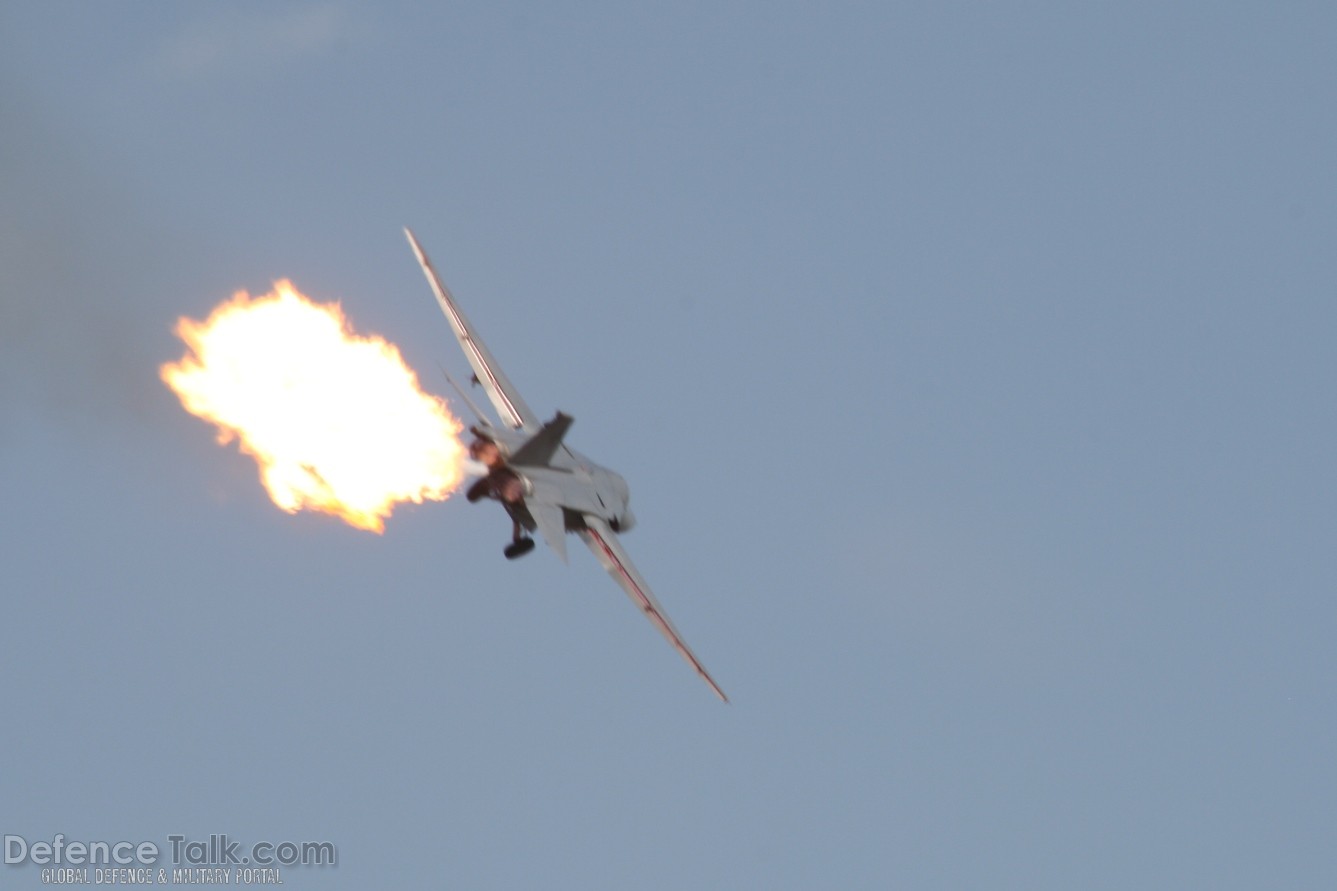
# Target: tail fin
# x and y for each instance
(539, 448)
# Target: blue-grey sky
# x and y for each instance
(971, 366)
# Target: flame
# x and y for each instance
(336, 421)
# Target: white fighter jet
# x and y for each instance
(544, 484)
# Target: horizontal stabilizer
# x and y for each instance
(540, 447)
(551, 525)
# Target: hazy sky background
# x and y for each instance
(971, 366)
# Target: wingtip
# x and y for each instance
(715, 688)
(420, 254)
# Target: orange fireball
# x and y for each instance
(336, 421)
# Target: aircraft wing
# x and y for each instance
(606, 547)
(505, 399)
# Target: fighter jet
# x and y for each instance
(544, 484)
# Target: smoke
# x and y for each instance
(77, 336)
(236, 40)
(91, 275)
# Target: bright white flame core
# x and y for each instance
(336, 421)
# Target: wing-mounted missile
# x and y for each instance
(481, 418)
(500, 391)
